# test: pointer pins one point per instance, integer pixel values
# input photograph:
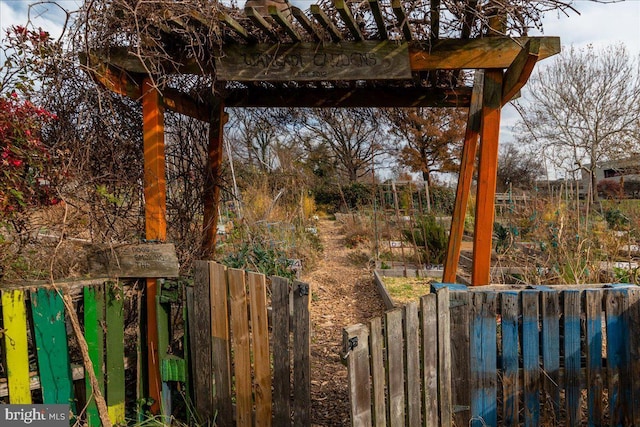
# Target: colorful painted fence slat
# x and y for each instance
(232, 361)
(536, 356)
(14, 316)
(114, 362)
(94, 335)
(47, 308)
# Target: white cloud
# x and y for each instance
(48, 16)
(600, 24)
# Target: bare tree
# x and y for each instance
(583, 109)
(353, 137)
(517, 167)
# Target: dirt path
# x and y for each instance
(343, 293)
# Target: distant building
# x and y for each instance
(620, 171)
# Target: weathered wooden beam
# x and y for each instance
(403, 21)
(155, 220)
(211, 193)
(488, 52)
(487, 167)
(520, 70)
(348, 98)
(446, 54)
(261, 23)
(305, 23)
(235, 26)
(312, 62)
(284, 23)
(377, 16)
(182, 103)
(116, 80)
(347, 17)
(326, 23)
(464, 181)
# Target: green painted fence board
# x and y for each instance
(94, 335)
(115, 352)
(47, 308)
(14, 316)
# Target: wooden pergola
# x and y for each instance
(284, 57)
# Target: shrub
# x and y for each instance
(431, 237)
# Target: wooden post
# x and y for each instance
(211, 194)
(464, 182)
(155, 220)
(488, 164)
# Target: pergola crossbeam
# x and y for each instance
(348, 97)
(374, 5)
(403, 21)
(261, 23)
(305, 23)
(347, 17)
(326, 23)
(284, 23)
(235, 26)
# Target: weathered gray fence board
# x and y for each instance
(429, 323)
(301, 355)
(460, 368)
(355, 344)
(444, 357)
(412, 340)
(220, 344)
(378, 372)
(395, 367)
(200, 328)
(280, 334)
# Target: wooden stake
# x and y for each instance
(155, 218)
(488, 164)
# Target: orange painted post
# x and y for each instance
(155, 219)
(211, 194)
(487, 168)
(464, 182)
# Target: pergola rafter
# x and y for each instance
(280, 56)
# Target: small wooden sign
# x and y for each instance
(365, 60)
(144, 260)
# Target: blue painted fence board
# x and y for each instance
(550, 314)
(509, 358)
(483, 342)
(618, 357)
(531, 358)
(572, 356)
(593, 340)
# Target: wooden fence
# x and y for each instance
(36, 349)
(229, 365)
(541, 356)
(228, 318)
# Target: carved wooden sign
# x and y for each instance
(367, 60)
(144, 260)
